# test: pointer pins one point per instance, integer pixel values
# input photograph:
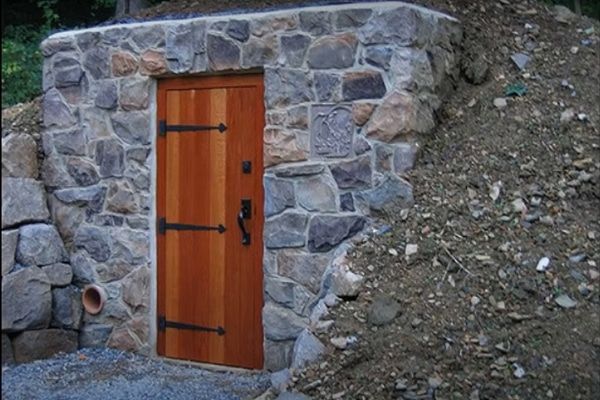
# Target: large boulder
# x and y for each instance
(26, 300)
(35, 345)
(40, 244)
(23, 200)
(19, 156)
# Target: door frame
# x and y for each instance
(154, 301)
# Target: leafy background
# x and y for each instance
(26, 23)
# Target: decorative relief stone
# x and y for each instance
(123, 64)
(333, 52)
(331, 130)
(153, 62)
(293, 49)
(363, 85)
(223, 54)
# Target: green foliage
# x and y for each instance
(21, 65)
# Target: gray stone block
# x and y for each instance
(391, 189)
(317, 193)
(363, 85)
(19, 156)
(133, 126)
(223, 54)
(285, 230)
(96, 241)
(284, 87)
(67, 309)
(279, 195)
(281, 323)
(35, 345)
(278, 355)
(110, 157)
(293, 49)
(333, 52)
(353, 174)
(26, 300)
(59, 274)
(305, 268)
(325, 232)
(40, 244)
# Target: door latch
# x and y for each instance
(245, 213)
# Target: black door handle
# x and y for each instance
(245, 212)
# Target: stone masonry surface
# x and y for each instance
(349, 90)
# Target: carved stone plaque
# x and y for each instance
(331, 130)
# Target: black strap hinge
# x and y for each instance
(163, 128)
(163, 324)
(163, 225)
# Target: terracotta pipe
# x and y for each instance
(93, 298)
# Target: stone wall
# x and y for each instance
(41, 308)
(348, 92)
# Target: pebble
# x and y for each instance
(578, 257)
(519, 206)
(593, 274)
(521, 60)
(500, 103)
(565, 301)
(416, 322)
(519, 372)
(475, 300)
(411, 249)
(543, 264)
(393, 252)
(434, 382)
(339, 342)
(567, 115)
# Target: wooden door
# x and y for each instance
(210, 164)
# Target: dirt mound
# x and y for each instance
(504, 182)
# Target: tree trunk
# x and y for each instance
(578, 7)
(129, 7)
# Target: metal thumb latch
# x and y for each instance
(245, 213)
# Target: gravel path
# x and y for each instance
(109, 374)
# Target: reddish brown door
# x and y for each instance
(209, 274)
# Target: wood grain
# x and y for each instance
(207, 278)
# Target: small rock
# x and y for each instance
(416, 322)
(495, 191)
(567, 115)
(475, 300)
(339, 342)
(401, 385)
(519, 206)
(434, 382)
(500, 103)
(411, 249)
(393, 252)
(543, 264)
(577, 257)
(565, 301)
(519, 372)
(520, 59)
(383, 310)
(593, 274)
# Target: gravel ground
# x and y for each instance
(109, 374)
